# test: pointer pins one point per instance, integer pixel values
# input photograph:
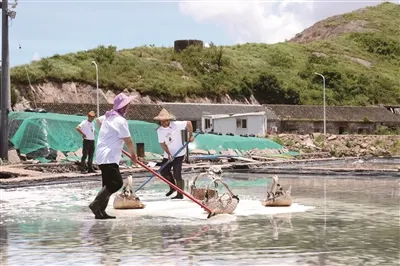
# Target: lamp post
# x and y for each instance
(323, 78)
(97, 87)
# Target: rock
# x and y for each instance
(333, 137)
(31, 161)
(78, 153)
(177, 65)
(199, 151)
(13, 157)
(232, 152)
(212, 152)
(372, 148)
(23, 157)
(309, 143)
(60, 156)
(318, 54)
(364, 145)
(316, 135)
(228, 152)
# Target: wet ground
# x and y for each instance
(352, 221)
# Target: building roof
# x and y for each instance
(194, 111)
(334, 113)
(219, 116)
(144, 112)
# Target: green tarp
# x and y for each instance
(41, 133)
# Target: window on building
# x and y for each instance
(241, 123)
(207, 123)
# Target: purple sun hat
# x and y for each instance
(122, 100)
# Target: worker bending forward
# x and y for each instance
(114, 132)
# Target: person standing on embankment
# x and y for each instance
(86, 129)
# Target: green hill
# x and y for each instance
(358, 52)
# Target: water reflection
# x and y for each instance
(3, 244)
(280, 222)
(101, 236)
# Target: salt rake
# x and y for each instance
(210, 212)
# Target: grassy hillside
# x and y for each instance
(279, 73)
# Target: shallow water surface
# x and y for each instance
(332, 222)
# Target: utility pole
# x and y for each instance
(5, 95)
(323, 79)
(5, 86)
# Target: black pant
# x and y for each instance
(87, 151)
(176, 164)
(111, 177)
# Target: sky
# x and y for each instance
(43, 28)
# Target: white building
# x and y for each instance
(237, 124)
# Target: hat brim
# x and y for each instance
(125, 102)
(162, 118)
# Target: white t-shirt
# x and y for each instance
(110, 143)
(102, 118)
(88, 129)
(172, 137)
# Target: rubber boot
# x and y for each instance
(90, 168)
(83, 167)
(180, 184)
(103, 210)
(171, 189)
(96, 205)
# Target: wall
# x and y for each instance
(305, 127)
(255, 125)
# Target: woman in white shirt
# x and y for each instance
(170, 139)
(113, 134)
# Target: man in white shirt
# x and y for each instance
(170, 139)
(86, 129)
(114, 133)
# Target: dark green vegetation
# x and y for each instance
(279, 73)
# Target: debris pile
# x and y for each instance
(342, 145)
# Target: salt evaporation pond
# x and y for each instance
(333, 221)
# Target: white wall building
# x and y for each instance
(237, 124)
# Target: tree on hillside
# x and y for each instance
(267, 89)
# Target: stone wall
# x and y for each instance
(306, 127)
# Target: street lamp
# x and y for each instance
(323, 78)
(97, 87)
